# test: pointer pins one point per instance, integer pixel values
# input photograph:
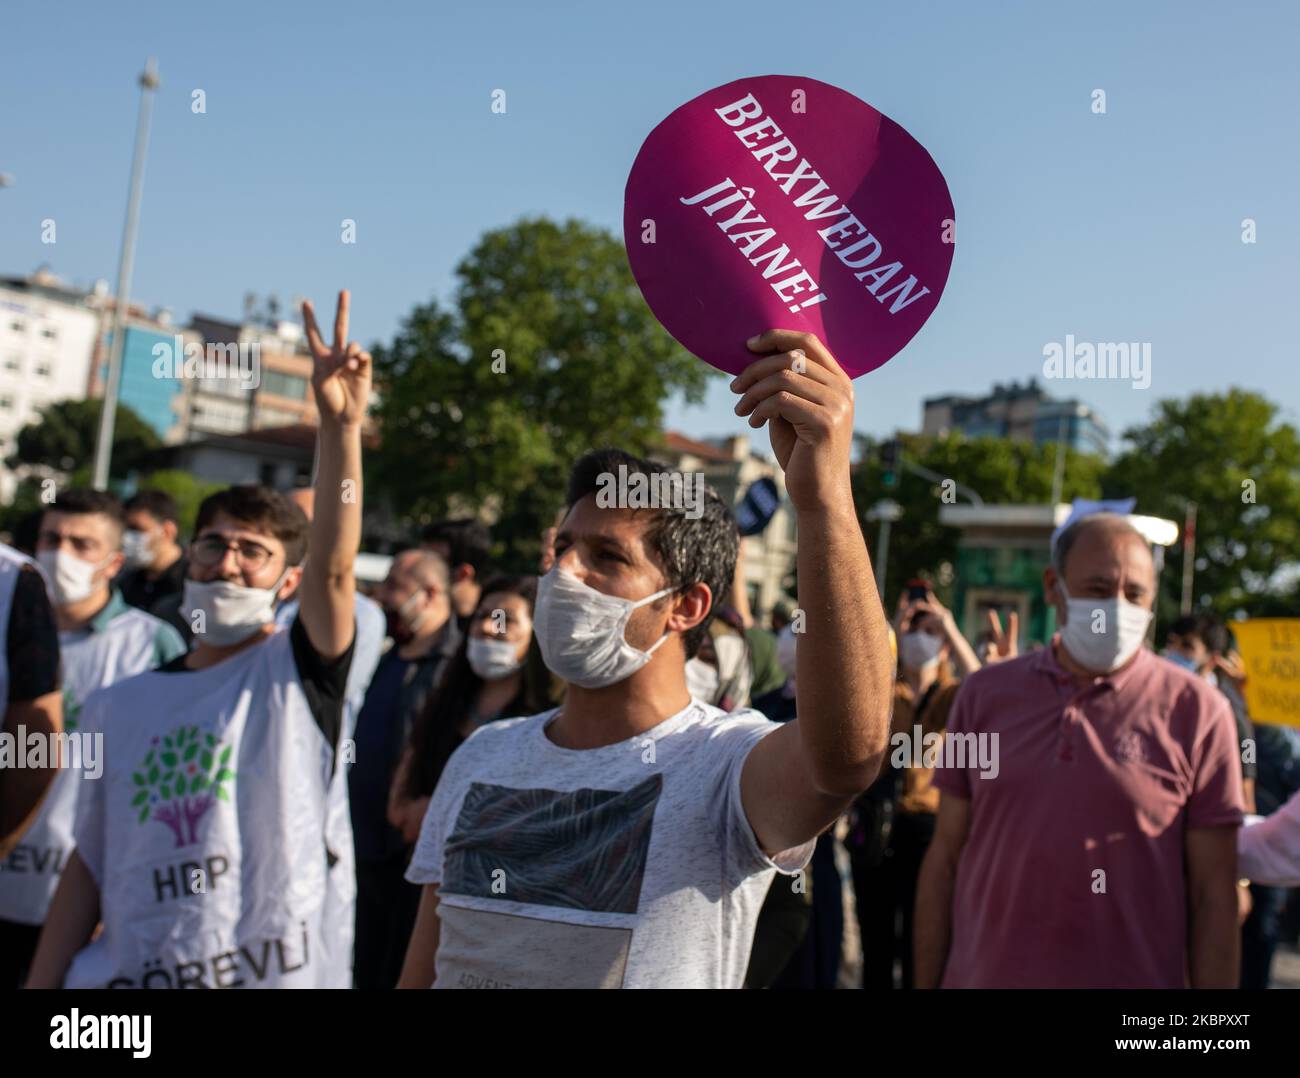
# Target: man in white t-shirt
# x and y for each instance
(628, 838)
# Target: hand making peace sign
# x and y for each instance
(340, 374)
(1003, 645)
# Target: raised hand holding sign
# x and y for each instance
(784, 201)
(806, 399)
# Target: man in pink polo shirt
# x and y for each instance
(1099, 850)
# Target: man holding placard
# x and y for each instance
(628, 838)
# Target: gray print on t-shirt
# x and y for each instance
(582, 849)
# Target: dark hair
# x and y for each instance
(692, 551)
(261, 508)
(79, 500)
(435, 734)
(1207, 628)
(157, 503)
(26, 531)
(468, 542)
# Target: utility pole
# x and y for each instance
(108, 414)
(886, 512)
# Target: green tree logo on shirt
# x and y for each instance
(183, 775)
(71, 709)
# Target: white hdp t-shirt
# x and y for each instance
(218, 833)
(631, 865)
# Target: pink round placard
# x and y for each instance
(784, 202)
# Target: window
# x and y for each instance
(224, 387)
(13, 363)
(18, 325)
(43, 368)
(220, 416)
(49, 333)
(276, 417)
(285, 385)
(6, 404)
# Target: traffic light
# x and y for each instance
(890, 452)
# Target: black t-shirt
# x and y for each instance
(161, 595)
(32, 639)
(142, 590)
(324, 681)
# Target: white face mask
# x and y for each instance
(919, 650)
(1119, 631)
(139, 548)
(492, 659)
(702, 680)
(71, 578)
(231, 612)
(580, 631)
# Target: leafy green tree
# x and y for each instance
(181, 776)
(1232, 455)
(549, 351)
(187, 491)
(999, 470)
(64, 439)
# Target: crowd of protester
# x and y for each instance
(611, 773)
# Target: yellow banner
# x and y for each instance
(1270, 649)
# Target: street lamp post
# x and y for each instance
(886, 512)
(108, 413)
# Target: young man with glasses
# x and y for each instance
(215, 849)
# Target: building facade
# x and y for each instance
(150, 384)
(48, 335)
(277, 457)
(1022, 413)
(279, 394)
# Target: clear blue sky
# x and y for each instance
(1122, 227)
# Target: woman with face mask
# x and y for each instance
(496, 673)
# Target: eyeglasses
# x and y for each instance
(211, 550)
